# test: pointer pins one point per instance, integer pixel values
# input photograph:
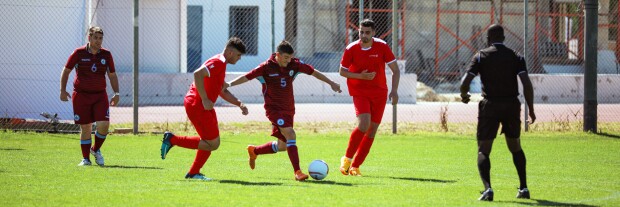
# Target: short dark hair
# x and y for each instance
(236, 43)
(285, 47)
(495, 33)
(94, 29)
(368, 23)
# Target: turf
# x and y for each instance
(412, 169)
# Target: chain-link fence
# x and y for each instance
(435, 42)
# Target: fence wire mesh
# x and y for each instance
(435, 41)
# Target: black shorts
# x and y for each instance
(492, 113)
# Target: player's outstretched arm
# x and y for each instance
(238, 81)
(64, 77)
(528, 93)
(114, 83)
(465, 81)
(318, 75)
(228, 96)
(395, 81)
(364, 75)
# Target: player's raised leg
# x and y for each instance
(267, 148)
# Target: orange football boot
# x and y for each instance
(345, 164)
(252, 156)
(354, 171)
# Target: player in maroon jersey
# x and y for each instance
(276, 76)
(90, 100)
(208, 85)
(363, 64)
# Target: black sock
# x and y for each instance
(484, 167)
(518, 158)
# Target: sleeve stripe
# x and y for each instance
(478, 57)
(391, 61)
(208, 72)
(472, 73)
(521, 72)
(344, 67)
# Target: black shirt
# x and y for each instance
(498, 67)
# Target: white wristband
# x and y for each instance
(117, 93)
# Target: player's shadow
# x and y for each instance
(327, 182)
(239, 182)
(543, 202)
(424, 180)
(11, 149)
(133, 167)
(609, 135)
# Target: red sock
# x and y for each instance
(291, 148)
(362, 152)
(85, 145)
(99, 139)
(185, 141)
(354, 142)
(267, 148)
(199, 161)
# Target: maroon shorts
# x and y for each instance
(375, 106)
(90, 107)
(280, 119)
(205, 121)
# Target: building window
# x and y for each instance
(243, 23)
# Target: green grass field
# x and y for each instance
(410, 169)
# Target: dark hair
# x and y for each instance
(495, 33)
(285, 47)
(236, 43)
(94, 29)
(368, 23)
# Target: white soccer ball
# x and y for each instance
(318, 169)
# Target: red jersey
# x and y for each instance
(357, 59)
(278, 82)
(91, 69)
(216, 67)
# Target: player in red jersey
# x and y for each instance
(363, 64)
(276, 76)
(90, 100)
(208, 85)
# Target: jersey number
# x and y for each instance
(93, 68)
(283, 82)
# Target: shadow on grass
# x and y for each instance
(542, 202)
(424, 180)
(327, 182)
(133, 167)
(615, 136)
(248, 183)
(11, 149)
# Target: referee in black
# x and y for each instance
(498, 67)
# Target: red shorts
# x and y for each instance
(279, 119)
(90, 107)
(205, 121)
(375, 106)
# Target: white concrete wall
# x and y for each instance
(37, 37)
(569, 88)
(160, 29)
(215, 29)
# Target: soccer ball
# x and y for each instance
(318, 169)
